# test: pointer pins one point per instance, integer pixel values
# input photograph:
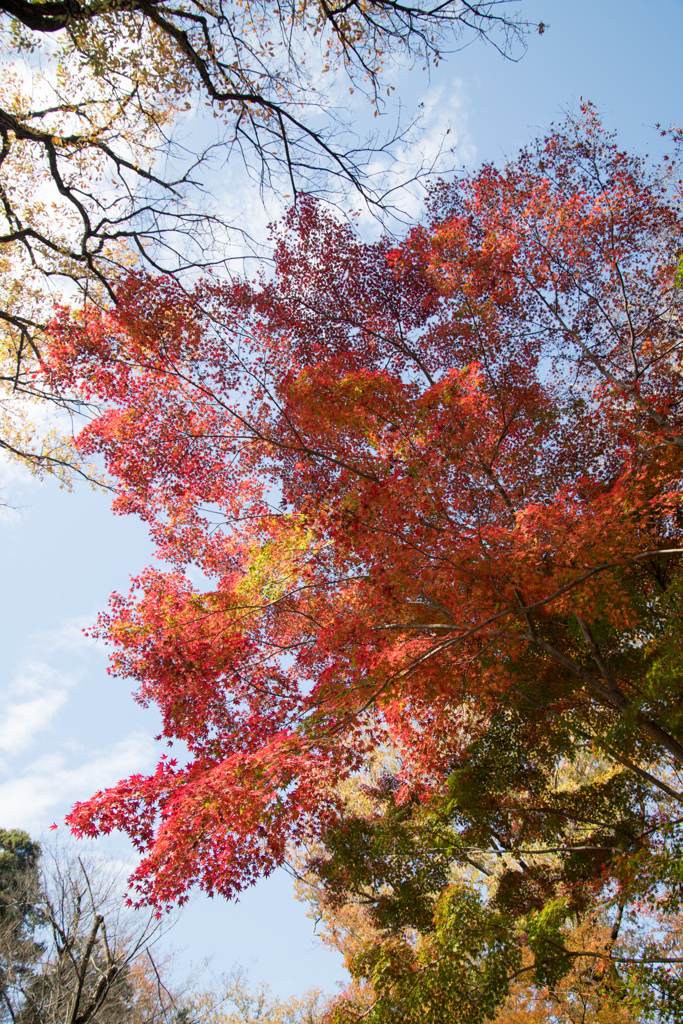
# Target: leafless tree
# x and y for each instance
(85, 957)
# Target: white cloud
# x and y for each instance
(15, 481)
(438, 143)
(13, 474)
(60, 733)
(22, 720)
(49, 786)
(38, 691)
(39, 424)
(69, 638)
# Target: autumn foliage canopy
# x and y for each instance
(404, 493)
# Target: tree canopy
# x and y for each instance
(95, 171)
(421, 498)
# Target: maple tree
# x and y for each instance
(423, 498)
(95, 176)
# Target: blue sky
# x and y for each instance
(66, 727)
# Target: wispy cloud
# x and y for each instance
(49, 785)
(15, 483)
(38, 691)
(54, 751)
(438, 142)
(44, 692)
